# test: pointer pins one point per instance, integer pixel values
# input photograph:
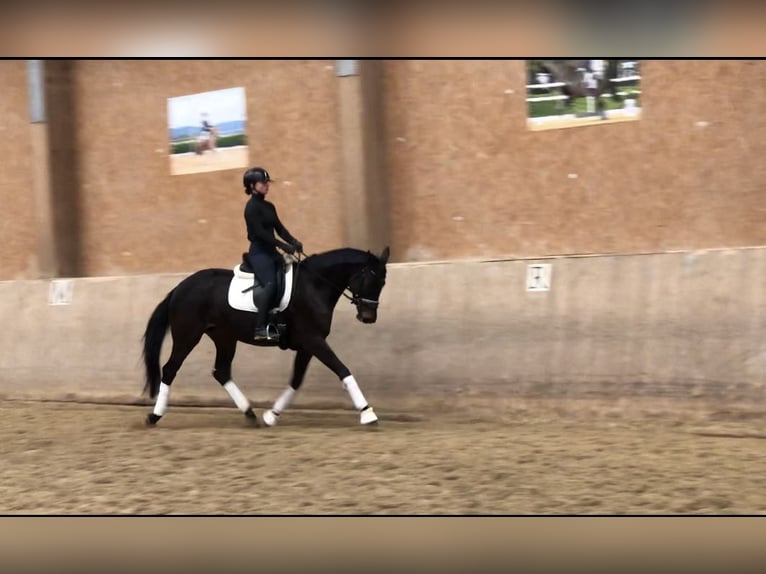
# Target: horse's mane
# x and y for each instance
(344, 255)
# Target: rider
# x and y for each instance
(206, 134)
(207, 127)
(262, 221)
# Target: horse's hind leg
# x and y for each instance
(224, 355)
(182, 346)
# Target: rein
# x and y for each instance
(354, 298)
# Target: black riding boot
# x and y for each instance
(263, 302)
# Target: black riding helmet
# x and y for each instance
(253, 176)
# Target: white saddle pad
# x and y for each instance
(244, 301)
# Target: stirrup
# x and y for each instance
(269, 336)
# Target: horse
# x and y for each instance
(206, 141)
(201, 304)
(568, 71)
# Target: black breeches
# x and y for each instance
(264, 266)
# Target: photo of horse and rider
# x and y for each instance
(569, 93)
(207, 131)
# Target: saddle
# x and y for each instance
(244, 281)
(245, 269)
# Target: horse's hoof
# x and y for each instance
(270, 418)
(368, 417)
(151, 419)
(251, 418)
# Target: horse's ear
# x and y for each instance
(385, 254)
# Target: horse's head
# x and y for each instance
(366, 286)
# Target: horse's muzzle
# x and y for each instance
(367, 316)
(366, 309)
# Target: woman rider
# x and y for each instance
(262, 222)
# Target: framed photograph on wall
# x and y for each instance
(207, 131)
(571, 93)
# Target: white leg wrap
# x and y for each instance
(270, 418)
(350, 384)
(162, 400)
(239, 399)
(284, 400)
(368, 416)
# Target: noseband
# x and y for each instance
(356, 299)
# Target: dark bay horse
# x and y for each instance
(206, 141)
(568, 71)
(199, 305)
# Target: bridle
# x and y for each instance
(354, 297)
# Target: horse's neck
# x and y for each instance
(341, 273)
(337, 274)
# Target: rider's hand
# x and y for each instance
(298, 246)
(288, 248)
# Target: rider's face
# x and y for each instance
(262, 187)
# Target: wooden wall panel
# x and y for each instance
(471, 180)
(465, 176)
(18, 224)
(137, 218)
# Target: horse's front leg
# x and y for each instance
(300, 364)
(322, 351)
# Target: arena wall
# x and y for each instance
(686, 327)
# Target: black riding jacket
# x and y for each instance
(262, 221)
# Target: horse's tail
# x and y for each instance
(154, 335)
